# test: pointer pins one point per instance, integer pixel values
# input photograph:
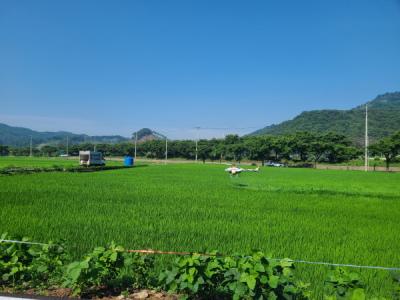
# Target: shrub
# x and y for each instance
(238, 277)
(27, 265)
(396, 285)
(195, 275)
(110, 268)
(341, 284)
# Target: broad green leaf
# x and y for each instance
(259, 267)
(264, 279)
(113, 256)
(358, 294)
(249, 279)
(273, 281)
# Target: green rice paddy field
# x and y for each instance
(318, 215)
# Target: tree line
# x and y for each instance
(299, 147)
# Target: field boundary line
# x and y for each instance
(274, 259)
(342, 265)
(23, 242)
(150, 251)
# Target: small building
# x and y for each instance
(91, 158)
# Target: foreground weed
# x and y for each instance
(111, 268)
(25, 265)
(234, 277)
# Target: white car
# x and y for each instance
(274, 164)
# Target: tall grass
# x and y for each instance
(319, 215)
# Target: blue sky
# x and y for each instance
(112, 67)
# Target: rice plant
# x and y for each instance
(318, 215)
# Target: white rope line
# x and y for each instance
(23, 242)
(274, 259)
(337, 265)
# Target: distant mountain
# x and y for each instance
(383, 120)
(146, 134)
(20, 137)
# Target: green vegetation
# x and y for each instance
(44, 162)
(7, 161)
(300, 147)
(27, 266)
(388, 147)
(252, 276)
(113, 270)
(110, 268)
(377, 162)
(303, 148)
(383, 114)
(341, 284)
(317, 215)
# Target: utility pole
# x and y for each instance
(67, 146)
(30, 148)
(135, 143)
(197, 139)
(166, 150)
(366, 139)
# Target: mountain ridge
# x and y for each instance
(147, 134)
(20, 137)
(383, 115)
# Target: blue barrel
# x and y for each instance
(128, 161)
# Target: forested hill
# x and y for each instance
(383, 114)
(147, 134)
(20, 137)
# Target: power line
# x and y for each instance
(166, 150)
(197, 139)
(30, 148)
(67, 146)
(135, 143)
(229, 128)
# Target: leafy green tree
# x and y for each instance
(317, 149)
(234, 148)
(231, 139)
(388, 147)
(4, 150)
(259, 148)
(204, 150)
(280, 147)
(153, 149)
(218, 151)
(338, 147)
(238, 151)
(300, 144)
(23, 151)
(105, 149)
(48, 150)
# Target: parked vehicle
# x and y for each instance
(274, 164)
(91, 158)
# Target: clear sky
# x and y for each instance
(112, 67)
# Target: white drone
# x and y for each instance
(233, 170)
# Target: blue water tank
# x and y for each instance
(128, 161)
